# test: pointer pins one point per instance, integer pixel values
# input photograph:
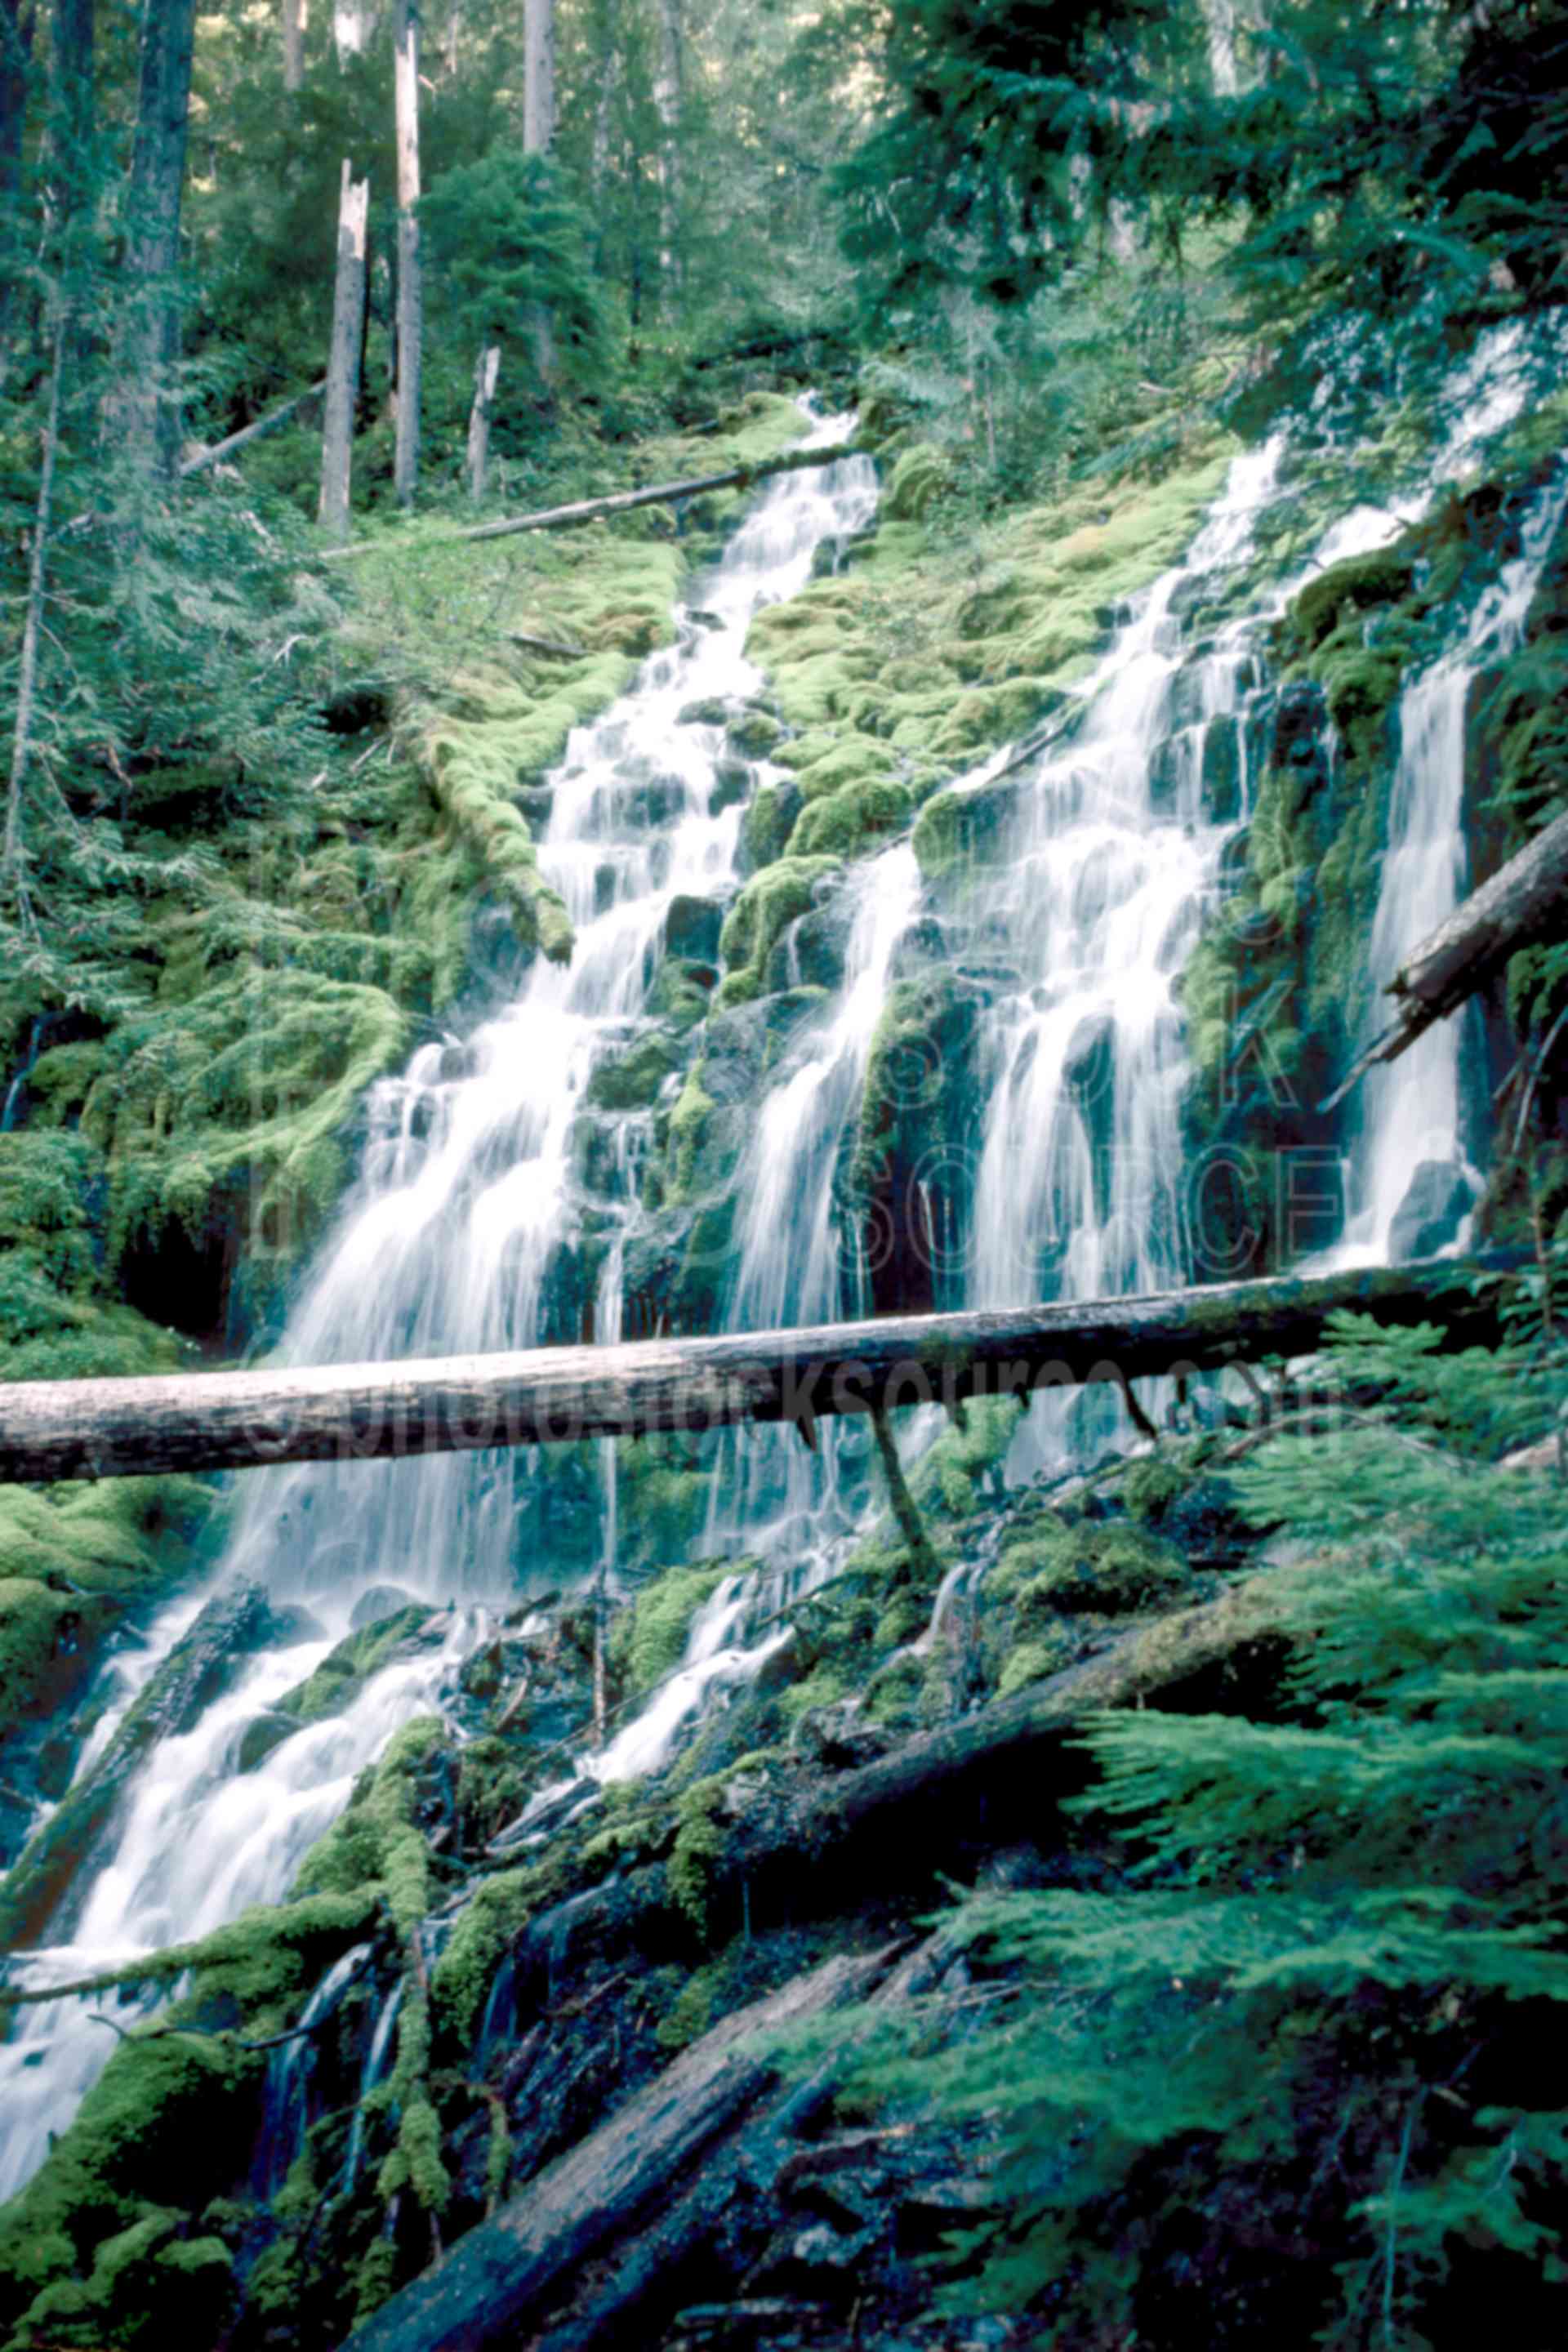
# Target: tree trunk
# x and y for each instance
(623, 501)
(342, 367)
(485, 373)
(226, 1420)
(149, 405)
(497, 2277)
(27, 673)
(73, 131)
(18, 23)
(1522, 902)
(294, 17)
(539, 77)
(234, 442)
(410, 295)
(667, 97)
(354, 26)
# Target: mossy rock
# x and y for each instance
(777, 896)
(852, 819)
(920, 477)
(631, 1080)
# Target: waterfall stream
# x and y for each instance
(466, 1203)
(472, 1200)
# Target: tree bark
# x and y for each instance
(150, 404)
(667, 99)
(622, 502)
(354, 26)
(294, 17)
(19, 23)
(222, 1421)
(27, 673)
(539, 77)
(507, 2269)
(256, 432)
(485, 373)
(73, 132)
(410, 295)
(342, 368)
(1522, 902)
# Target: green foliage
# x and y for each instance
(1306, 2018)
(510, 247)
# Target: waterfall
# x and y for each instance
(480, 1220)
(1411, 1185)
(465, 1218)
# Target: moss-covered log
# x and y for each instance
(227, 1421)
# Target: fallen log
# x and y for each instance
(53, 1430)
(737, 478)
(508, 2267)
(1525, 901)
(249, 433)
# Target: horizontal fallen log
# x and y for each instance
(249, 433)
(507, 2268)
(736, 478)
(53, 1430)
(1525, 901)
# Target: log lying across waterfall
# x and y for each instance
(1526, 899)
(738, 477)
(230, 1421)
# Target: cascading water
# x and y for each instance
(468, 1207)
(472, 1205)
(1411, 1184)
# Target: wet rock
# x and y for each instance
(1428, 1219)
(754, 733)
(536, 802)
(1089, 1072)
(712, 712)
(1300, 724)
(691, 928)
(1222, 768)
(379, 1601)
(630, 1081)
(811, 952)
(733, 781)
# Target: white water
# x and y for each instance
(471, 1200)
(1413, 1109)
(467, 1205)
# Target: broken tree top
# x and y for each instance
(229, 1420)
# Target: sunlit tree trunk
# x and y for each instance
(667, 97)
(343, 367)
(149, 404)
(539, 77)
(355, 24)
(296, 16)
(485, 374)
(410, 295)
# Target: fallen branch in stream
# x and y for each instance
(1523, 901)
(737, 478)
(52, 1430)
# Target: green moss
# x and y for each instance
(485, 1931)
(920, 475)
(688, 1124)
(650, 1637)
(849, 820)
(1034, 1660)
(474, 769)
(699, 1842)
(377, 1840)
(630, 1081)
(769, 901)
(951, 1473)
(691, 2013)
(1096, 1569)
